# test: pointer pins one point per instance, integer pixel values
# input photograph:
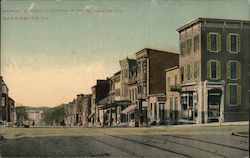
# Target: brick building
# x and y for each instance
(151, 82)
(214, 61)
(99, 92)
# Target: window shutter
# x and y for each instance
(209, 69)
(208, 42)
(238, 70)
(239, 95)
(198, 70)
(184, 73)
(218, 70)
(228, 71)
(218, 42)
(228, 94)
(238, 43)
(228, 43)
(191, 70)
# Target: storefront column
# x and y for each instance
(205, 103)
(222, 102)
(200, 103)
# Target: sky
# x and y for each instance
(48, 61)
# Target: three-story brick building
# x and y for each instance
(214, 59)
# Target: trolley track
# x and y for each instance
(149, 145)
(208, 142)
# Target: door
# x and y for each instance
(214, 101)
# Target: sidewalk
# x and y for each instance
(241, 123)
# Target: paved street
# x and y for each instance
(118, 142)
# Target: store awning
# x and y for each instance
(129, 109)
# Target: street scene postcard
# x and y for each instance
(125, 78)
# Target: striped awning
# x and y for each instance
(129, 109)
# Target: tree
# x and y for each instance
(21, 115)
(56, 115)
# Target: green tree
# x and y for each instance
(56, 115)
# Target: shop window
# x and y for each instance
(151, 109)
(171, 107)
(155, 111)
(184, 102)
(176, 103)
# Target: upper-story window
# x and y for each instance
(125, 71)
(186, 47)
(144, 70)
(182, 74)
(169, 80)
(233, 70)
(233, 43)
(196, 70)
(182, 48)
(175, 79)
(117, 92)
(189, 46)
(233, 66)
(140, 89)
(233, 94)
(213, 42)
(213, 69)
(196, 43)
(188, 72)
(117, 79)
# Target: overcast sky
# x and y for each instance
(47, 62)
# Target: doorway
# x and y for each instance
(214, 103)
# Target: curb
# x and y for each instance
(240, 135)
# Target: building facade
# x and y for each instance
(173, 99)
(151, 82)
(99, 92)
(126, 116)
(86, 109)
(214, 58)
(7, 105)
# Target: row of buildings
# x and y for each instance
(207, 81)
(7, 105)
